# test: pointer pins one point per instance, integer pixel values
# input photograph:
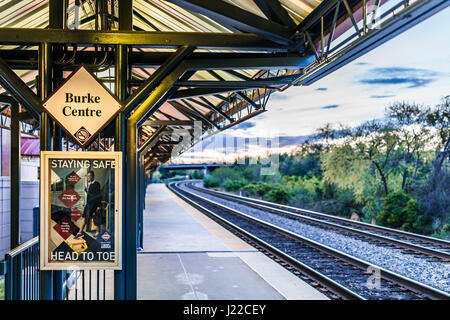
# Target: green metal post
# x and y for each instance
(143, 111)
(119, 145)
(46, 277)
(57, 20)
(121, 73)
(15, 175)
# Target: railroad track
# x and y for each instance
(410, 242)
(336, 272)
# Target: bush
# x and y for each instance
(211, 182)
(400, 210)
(278, 194)
(197, 174)
(445, 232)
(231, 185)
(257, 188)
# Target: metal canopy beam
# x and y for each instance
(205, 103)
(156, 78)
(231, 84)
(27, 60)
(294, 62)
(248, 100)
(169, 40)
(151, 141)
(274, 11)
(259, 83)
(154, 59)
(191, 112)
(168, 123)
(12, 83)
(199, 92)
(229, 14)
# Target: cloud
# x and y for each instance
(292, 140)
(245, 125)
(321, 89)
(331, 106)
(361, 64)
(375, 96)
(412, 77)
(277, 96)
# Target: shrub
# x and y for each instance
(197, 174)
(211, 182)
(400, 210)
(231, 185)
(257, 188)
(278, 194)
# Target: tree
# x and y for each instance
(371, 144)
(413, 135)
(440, 119)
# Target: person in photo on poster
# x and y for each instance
(93, 204)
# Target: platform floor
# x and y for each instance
(188, 256)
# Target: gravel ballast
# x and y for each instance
(419, 268)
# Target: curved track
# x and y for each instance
(345, 276)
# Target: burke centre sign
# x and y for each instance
(82, 106)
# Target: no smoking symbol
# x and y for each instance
(82, 134)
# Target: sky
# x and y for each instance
(413, 67)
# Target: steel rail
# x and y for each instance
(322, 279)
(385, 274)
(358, 224)
(323, 223)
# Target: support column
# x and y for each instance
(15, 170)
(57, 20)
(141, 201)
(15, 175)
(121, 73)
(45, 79)
(148, 106)
(119, 145)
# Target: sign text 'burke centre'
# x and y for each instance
(81, 112)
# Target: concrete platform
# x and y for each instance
(188, 256)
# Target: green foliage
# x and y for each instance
(211, 182)
(197, 174)
(278, 194)
(233, 185)
(371, 209)
(257, 188)
(343, 167)
(400, 210)
(444, 233)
